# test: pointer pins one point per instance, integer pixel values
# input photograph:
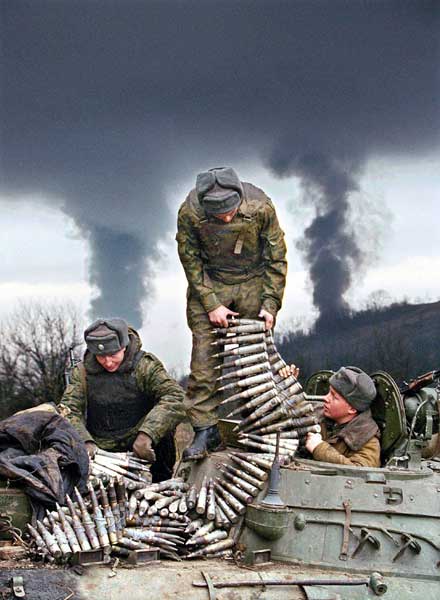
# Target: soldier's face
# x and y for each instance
(227, 217)
(337, 408)
(111, 362)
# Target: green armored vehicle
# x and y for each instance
(317, 530)
(358, 519)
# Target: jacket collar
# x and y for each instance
(357, 432)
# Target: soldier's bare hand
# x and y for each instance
(142, 447)
(289, 370)
(268, 318)
(219, 316)
(91, 448)
(312, 441)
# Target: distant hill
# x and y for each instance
(402, 339)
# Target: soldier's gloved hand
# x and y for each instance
(142, 447)
(91, 449)
(312, 441)
(219, 316)
(268, 318)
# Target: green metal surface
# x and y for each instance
(389, 413)
(386, 508)
(15, 506)
(269, 523)
(317, 384)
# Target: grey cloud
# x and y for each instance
(108, 104)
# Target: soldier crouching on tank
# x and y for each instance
(122, 398)
(234, 256)
(350, 436)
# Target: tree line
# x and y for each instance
(34, 352)
(401, 339)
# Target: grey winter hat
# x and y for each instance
(219, 190)
(355, 386)
(106, 336)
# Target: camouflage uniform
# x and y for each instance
(242, 265)
(110, 409)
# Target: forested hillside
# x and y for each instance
(402, 339)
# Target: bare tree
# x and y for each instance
(378, 300)
(34, 350)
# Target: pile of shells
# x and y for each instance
(179, 520)
(125, 465)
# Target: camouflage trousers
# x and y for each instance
(202, 397)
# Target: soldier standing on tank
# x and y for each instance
(122, 398)
(234, 256)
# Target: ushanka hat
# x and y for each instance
(219, 190)
(106, 336)
(355, 386)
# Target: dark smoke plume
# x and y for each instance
(118, 287)
(329, 245)
(108, 106)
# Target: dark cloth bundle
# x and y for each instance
(42, 452)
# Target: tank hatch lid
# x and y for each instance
(317, 384)
(389, 413)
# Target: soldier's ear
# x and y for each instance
(351, 410)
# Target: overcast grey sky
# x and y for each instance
(109, 109)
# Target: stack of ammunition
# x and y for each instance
(180, 515)
(206, 538)
(163, 501)
(101, 521)
(267, 444)
(269, 403)
(134, 471)
(158, 514)
(198, 520)
(220, 504)
(83, 524)
(173, 517)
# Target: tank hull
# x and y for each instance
(302, 540)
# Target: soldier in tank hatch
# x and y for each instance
(122, 398)
(350, 436)
(234, 256)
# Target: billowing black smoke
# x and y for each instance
(122, 288)
(329, 245)
(108, 106)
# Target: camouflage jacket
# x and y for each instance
(151, 378)
(251, 245)
(356, 443)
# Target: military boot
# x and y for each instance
(205, 441)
